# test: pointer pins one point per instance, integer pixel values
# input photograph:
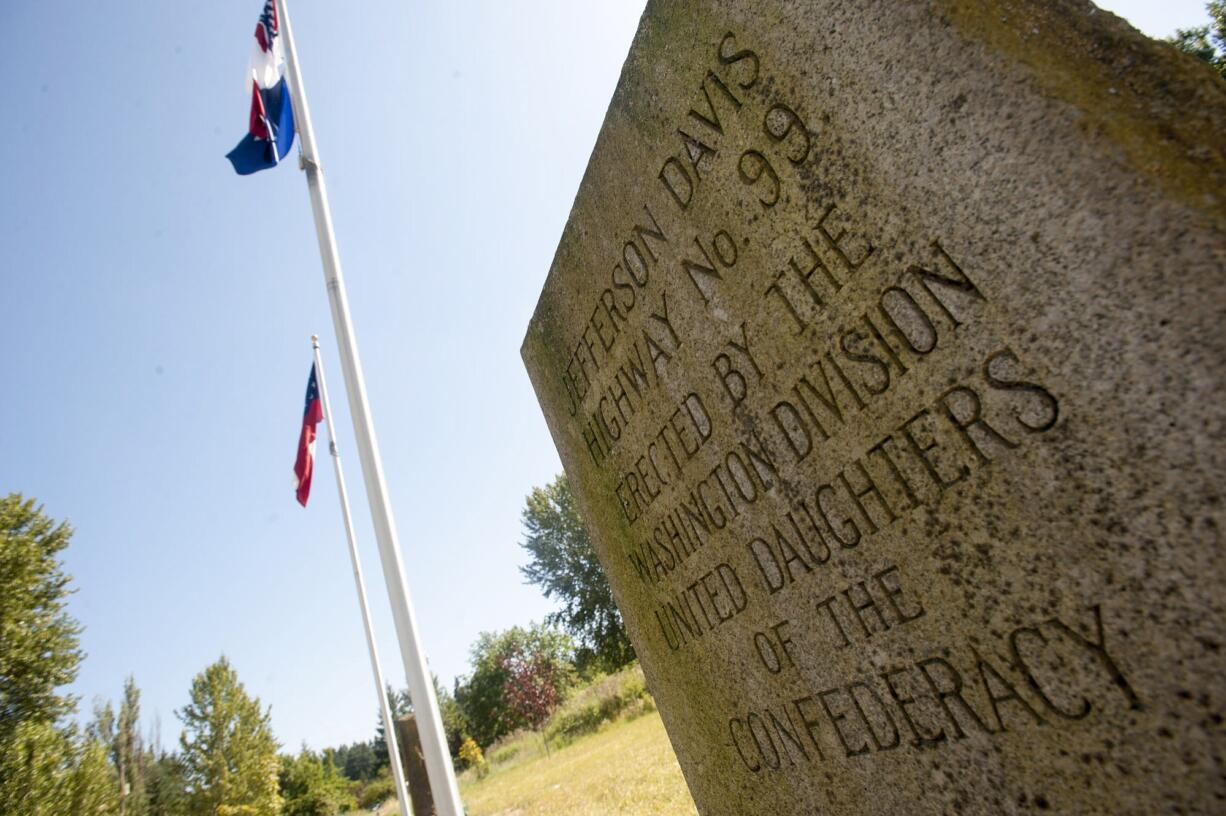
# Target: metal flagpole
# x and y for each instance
(421, 686)
(389, 722)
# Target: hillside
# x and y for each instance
(627, 768)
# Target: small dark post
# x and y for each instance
(414, 764)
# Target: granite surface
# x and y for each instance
(884, 350)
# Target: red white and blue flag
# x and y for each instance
(270, 125)
(304, 465)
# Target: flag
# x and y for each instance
(270, 126)
(304, 465)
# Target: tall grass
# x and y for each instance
(625, 769)
(617, 696)
(588, 708)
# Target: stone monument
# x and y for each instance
(885, 349)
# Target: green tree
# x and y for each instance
(47, 767)
(166, 784)
(400, 705)
(92, 781)
(56, 771)
(121, 742)
(229, 753)
(128, 753)
(455, 725)
(1207, 42)
(35, 769)
(378, 790)
(483, 695)
(565, 567)
(357, 761)
(41, 640)
(102, 727)
(313, 786)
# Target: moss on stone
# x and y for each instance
(1164, 110)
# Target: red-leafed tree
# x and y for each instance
(533, 686)
(519, 676)
(531, 690)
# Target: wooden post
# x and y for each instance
(414, 763)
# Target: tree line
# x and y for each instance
(227, 761)
(1206, 42)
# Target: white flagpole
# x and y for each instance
(421, 686)
(389, 722)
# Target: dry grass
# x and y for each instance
(626, 769)
(608, 756)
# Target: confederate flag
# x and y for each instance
(270, 125)
(305, 464)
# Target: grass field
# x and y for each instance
(608, 755)
(627, 768)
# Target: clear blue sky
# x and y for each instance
(158, 309)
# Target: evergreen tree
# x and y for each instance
(41, 640)
(45, 769)
(455, 726)
(229, 754)
(35, 769)
(565, 567)
(1207, 42)
(313, 786)
(357, 761)
(128, 753)
(102, 727)
(455, 729)
(166, 785)
(92, 782)
(401, 706)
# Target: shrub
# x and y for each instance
(312, 785)
(620, 695)
(470, 754)
(377, 790)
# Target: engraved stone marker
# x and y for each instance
(884, 349)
